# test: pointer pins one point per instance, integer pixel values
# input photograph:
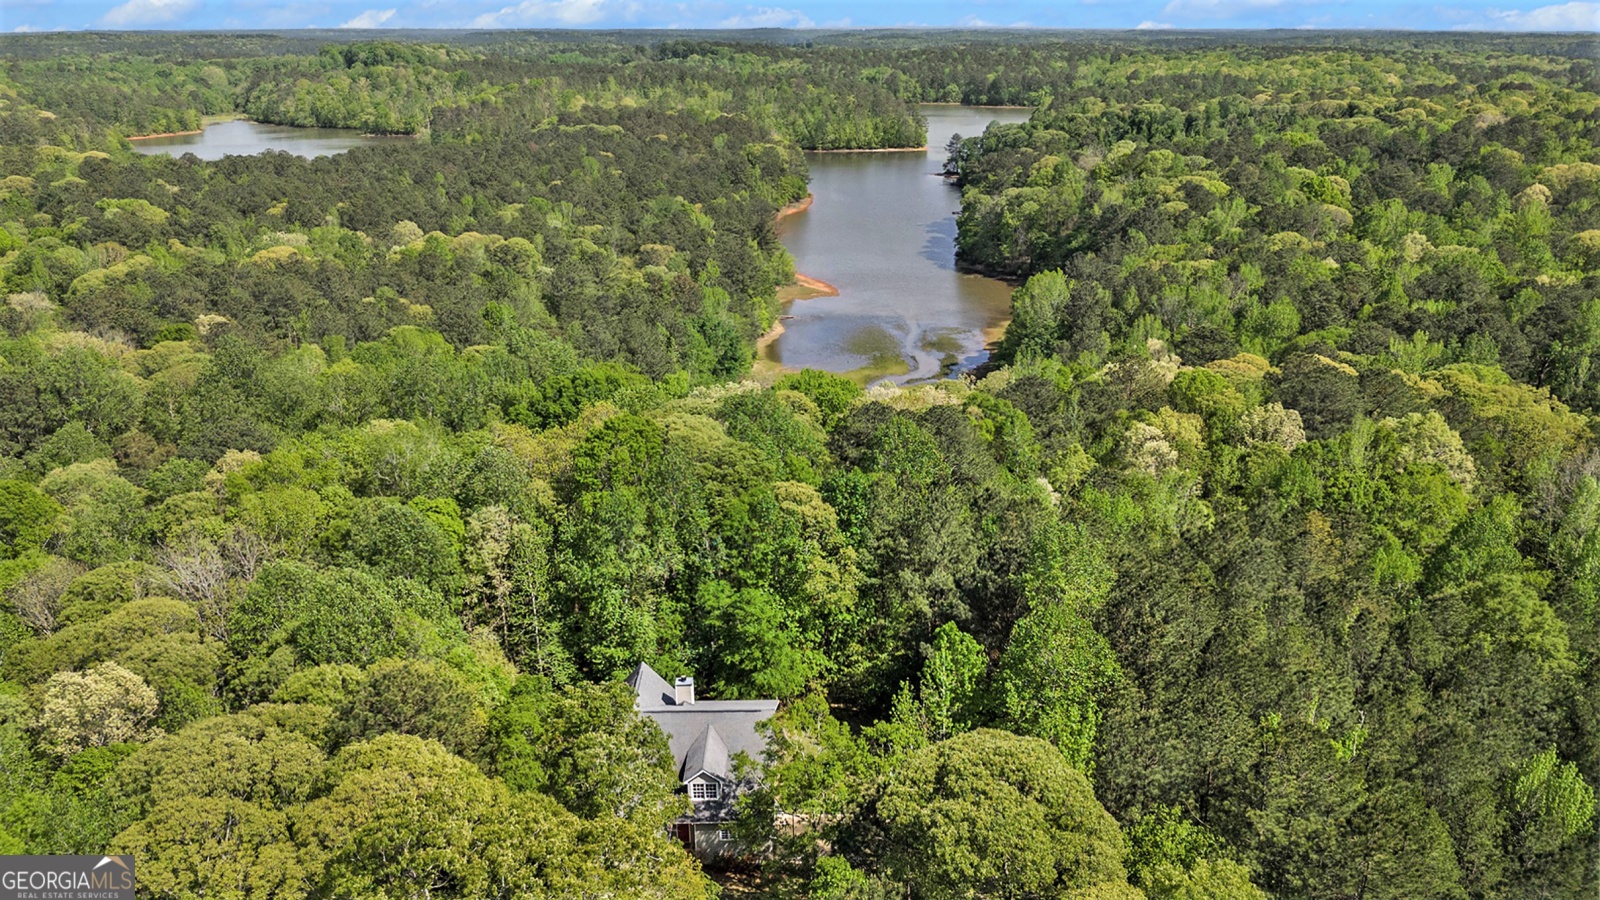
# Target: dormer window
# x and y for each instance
(704, 790)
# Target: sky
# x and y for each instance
(1491, 15)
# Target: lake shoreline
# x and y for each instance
(814, 287)
(1011, 279)
(205, 122)
(993, 336)
(801, 287)
(772, 334)
(922, 149)
(208, 121)
(799, 206)
(970, 106)
(146, 137)
(238, 135)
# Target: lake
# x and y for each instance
(242, 137)
(882, 231)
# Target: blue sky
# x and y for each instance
(1497, 15)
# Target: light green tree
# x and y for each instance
(215, 846)
(404, 818)
(105, 705)
(1056, 666)
(988, 814)
(949, 695)
(237, 757)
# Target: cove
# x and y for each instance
(881, 231)
(242, 137)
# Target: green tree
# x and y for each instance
(27, 517)
(333, 615)
(402, 541)
(236, 757)
(418, 697)
(1035, 312)
(1207, 879)
(509, 590)
(753, 650)
(991, 813)
(402, 814)
(200, 846)
(209, 807)
(587, 747)
(1324, 391)
(950, 695)
(1050, 680)
(1551, 802)
(102, 512)
(833, 394)
(105, 705)
(793, 444)
(812, 769)
(1056, 665)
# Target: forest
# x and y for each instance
(338, 495)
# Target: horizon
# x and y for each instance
(56, 16)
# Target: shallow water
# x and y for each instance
(243, 138)
(882, 231)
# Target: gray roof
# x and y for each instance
(711, 812)
(652, 689)
(704, 735)
(708, 753)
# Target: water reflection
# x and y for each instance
(245, 138)
(940, 247)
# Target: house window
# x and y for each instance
(724, 835)
(704, 790)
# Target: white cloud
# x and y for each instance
(372, 18)
(768, 17)
(147, 12)
(552, 12)
(1218, 9)
(976, 22)
(1558, 17)
(1148, 25)
(23, 29)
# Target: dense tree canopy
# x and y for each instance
(336, 495)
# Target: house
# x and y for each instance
(705, 737)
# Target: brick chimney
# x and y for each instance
(683, 691)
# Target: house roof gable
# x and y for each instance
(650, 690)
(707, 753)
(732, 721)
